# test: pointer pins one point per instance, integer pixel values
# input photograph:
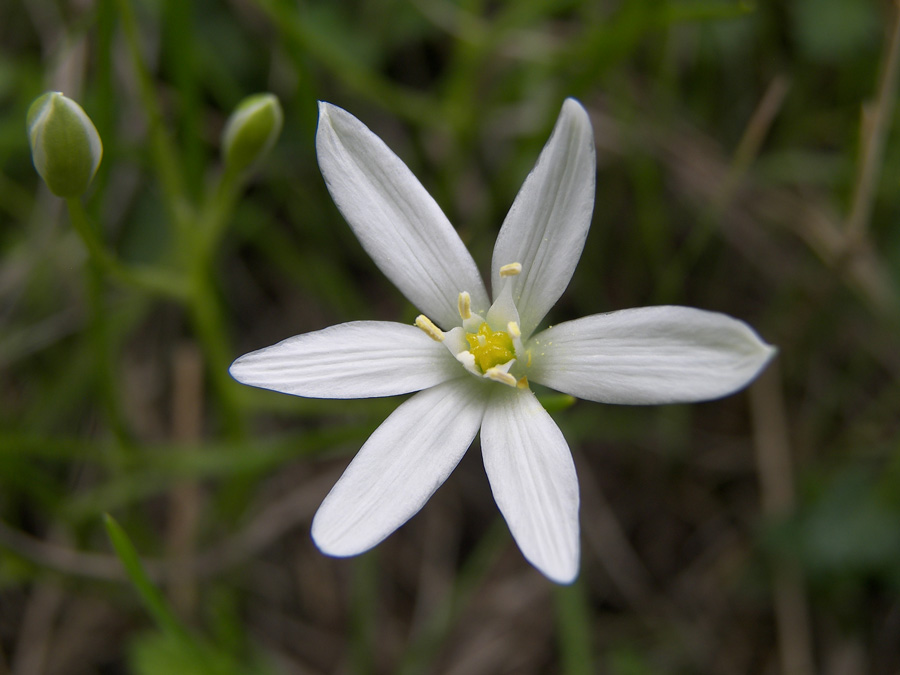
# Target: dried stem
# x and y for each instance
(874, 134)
(754, 134)
(35, 639)
(774, 466)
(185, 499)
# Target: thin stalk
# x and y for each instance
(573, 630)
(774, 463)
(217, 209)
(873, 142)
(104, 352)
(744, 155)
(209, 327)
(164, 154)
(99, 334)
(147, 279)
(363, 613)
(202, 241)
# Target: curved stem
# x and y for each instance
(217, 209)
(206, 317)
(204, 305)
(99, 263)
(147, 279)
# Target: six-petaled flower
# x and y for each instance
(472, 357)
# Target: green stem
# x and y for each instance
(209, 327)
(217, 210)
(147, 279)
(164, 154)
(205, 306)
(104, 352)
(573, 626)
(98, 331)
(363, 613)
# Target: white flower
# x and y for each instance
(471, 360)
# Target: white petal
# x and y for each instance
(455, 341)
(649, 355)
(533, 480)
(360, 359)
(395, 219)
(401, 465)
(549, 220)
(503, 311)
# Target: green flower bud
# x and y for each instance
(65, 146)
(251, 130)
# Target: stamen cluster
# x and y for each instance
(484, 350)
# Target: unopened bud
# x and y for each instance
(251, 130)
(65, 146)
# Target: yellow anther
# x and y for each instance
(511, 270)
(498, 375)
(513, 329)
(528, 360)
(465, 305)
(427, 325)
(522, 383)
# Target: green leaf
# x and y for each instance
(150, 595)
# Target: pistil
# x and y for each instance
(490, 348)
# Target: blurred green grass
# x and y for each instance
(697, 552)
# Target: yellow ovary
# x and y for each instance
(490, 348)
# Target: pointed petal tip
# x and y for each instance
(324, 116)
(573, 105)
(560, 568)
(332, 546)
(574, 108)
(765, 352)
(565, 577)
(559, 571)
(236, 368)
(323, 107)
(245, 369)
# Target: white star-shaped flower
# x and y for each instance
(472, 360)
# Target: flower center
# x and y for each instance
(490, 348)
(484, 352)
